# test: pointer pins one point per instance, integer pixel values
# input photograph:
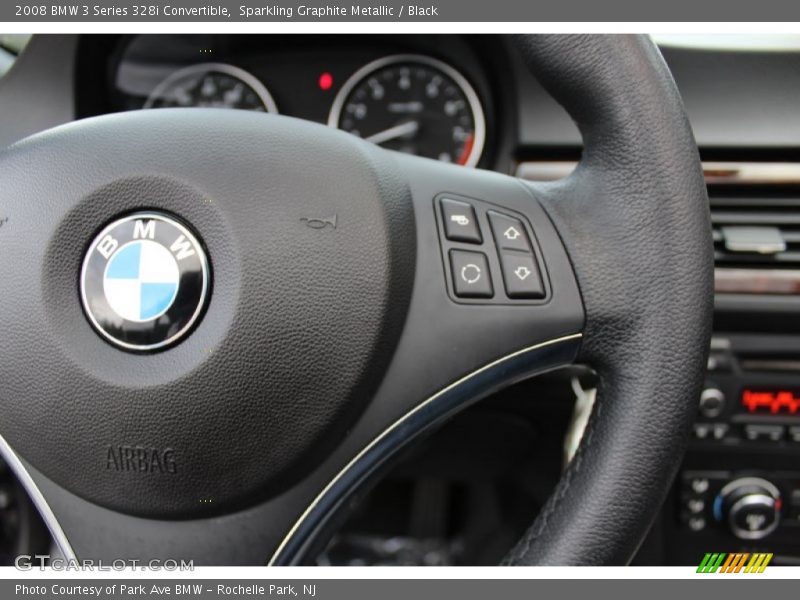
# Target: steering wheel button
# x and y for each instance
(509, 232)
(521, 275)
(471, 277)
(460, 223)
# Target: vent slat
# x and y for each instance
(791, 237)
(729, 217)
(780, 259)
(755, 202)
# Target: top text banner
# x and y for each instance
(392, 11)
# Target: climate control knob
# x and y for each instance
(750, 506)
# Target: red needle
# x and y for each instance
(467, 150)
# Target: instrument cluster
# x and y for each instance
(404, 93)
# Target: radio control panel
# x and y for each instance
(738, 489)
(739, 405)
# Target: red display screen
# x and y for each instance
(775, 402)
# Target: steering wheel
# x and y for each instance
(218, 325)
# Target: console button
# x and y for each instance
(712, 402)
(696, 506)
(521, 275)
(719, 431)
(751, 506)
(719, 361)
(697, 523)
(794, 433)
(699, 485)
(471, 277)
(509, 232)
(460, 224)
(764, 433)
(701, 430)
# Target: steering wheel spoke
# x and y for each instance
(458, 345)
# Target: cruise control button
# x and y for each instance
(509, 233)
(471, 277)
(460, 224)
(521, 275)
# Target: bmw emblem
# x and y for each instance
(144, 281)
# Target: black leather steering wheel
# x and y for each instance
(349, 311)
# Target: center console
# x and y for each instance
(739, 486)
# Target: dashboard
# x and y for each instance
(464, 496)
(421, 95)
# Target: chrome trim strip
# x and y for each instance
(751, 173)
(512, 367)
(773, 366)
(38, 499)
(715, 172)
(729, 280)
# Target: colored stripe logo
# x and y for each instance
(740, 562)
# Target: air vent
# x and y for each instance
(755, 210)
(755, 227)
(756, 232)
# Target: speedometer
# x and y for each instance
(413, 104)
(212, 85)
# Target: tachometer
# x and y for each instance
(413, 104)
(214, 85)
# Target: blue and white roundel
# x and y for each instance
(141, 280)
(145, 281)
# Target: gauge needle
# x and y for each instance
(408, 128)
